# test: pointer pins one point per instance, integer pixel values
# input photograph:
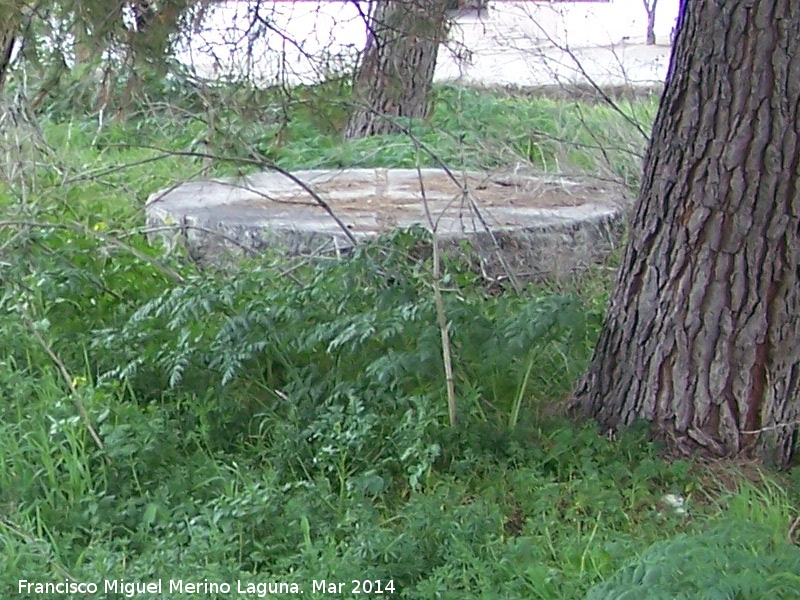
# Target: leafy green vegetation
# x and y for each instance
(731, 560)
(468, 129)
(285, 420)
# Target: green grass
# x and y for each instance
(477, 130)
(468, 129)
(286, 421)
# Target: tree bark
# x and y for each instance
(650, 8)
(702, 333)
(396, 73)
(7, 42)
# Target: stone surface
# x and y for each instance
(533, 226)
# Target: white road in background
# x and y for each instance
(511, 43)
(622, 64)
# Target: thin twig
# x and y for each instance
(90, 276)
(793, 529)
(111, 241)
(91, 176)
(34, 542)
(466, 193)
(596, 86)
(62, 368)
(771, 428)
(259, 162)
(441, 317)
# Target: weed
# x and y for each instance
(287, 421)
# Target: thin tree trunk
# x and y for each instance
(651, 28)
(702, 334)
(650, 9)
(396, 73)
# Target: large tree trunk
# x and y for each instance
(702, 334)
(396, 73)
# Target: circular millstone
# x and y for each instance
(533, 227)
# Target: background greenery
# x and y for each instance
(285, 419)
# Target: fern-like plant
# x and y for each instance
(735, 560)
